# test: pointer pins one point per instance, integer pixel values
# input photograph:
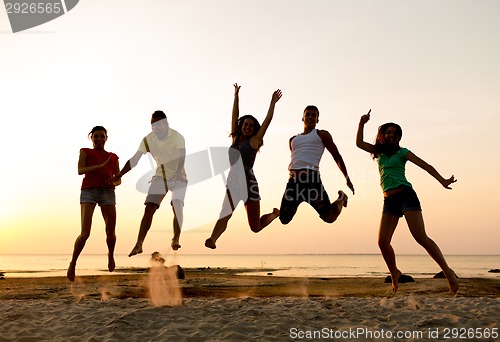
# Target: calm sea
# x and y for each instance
(296, 265)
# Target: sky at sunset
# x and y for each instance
(431, 66)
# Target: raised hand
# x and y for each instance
(365, 118)
(276, 96)
(447, 182)
(349, 185)
(236, 88)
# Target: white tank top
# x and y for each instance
(306, 151)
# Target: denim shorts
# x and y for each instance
(100, 196)
(405, 200)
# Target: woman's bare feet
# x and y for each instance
(395, 278)
(111, 262)
(175, 245)
(452, 281)
(209, 243)
(71, 272)
(136, 250)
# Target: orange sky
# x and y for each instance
(430, 66)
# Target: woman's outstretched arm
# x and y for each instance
(360, 135)
(236, 108)
(431, 170)
(257, 138)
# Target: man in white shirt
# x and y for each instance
(168, 149)
(304, 184)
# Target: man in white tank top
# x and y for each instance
(305, 183)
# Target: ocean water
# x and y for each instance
(291, 265)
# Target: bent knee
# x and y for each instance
(423, 241)
(84, 236)
(255, 225)
(383, 243)
(255, 228)
(285, 220)
(329, 218)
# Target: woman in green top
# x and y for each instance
(400, 198)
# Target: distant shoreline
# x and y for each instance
(285, 265)
(254, 272)
(229, 283)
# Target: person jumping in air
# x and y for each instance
(304, 184)
(167, 146)
(98, 166)
(247, 135)
(399, 197)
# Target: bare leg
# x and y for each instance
(109, 215)
(388, 225)
(146, 221)
(177, 224)
(221, 224)
(266, 219)
(415, 222)
(219, 228)
(256, 222)
(86, 212)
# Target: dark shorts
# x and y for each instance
(304, 186)
(100, 196)
(400, 202)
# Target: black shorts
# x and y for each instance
(304, 186)
(400, 202)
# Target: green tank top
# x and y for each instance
(392, 170)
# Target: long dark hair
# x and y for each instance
(381, 146)
(236, 134)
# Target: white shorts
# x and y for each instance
(159, 188)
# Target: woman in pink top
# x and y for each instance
(98, 166)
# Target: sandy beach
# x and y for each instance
(221, 305)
